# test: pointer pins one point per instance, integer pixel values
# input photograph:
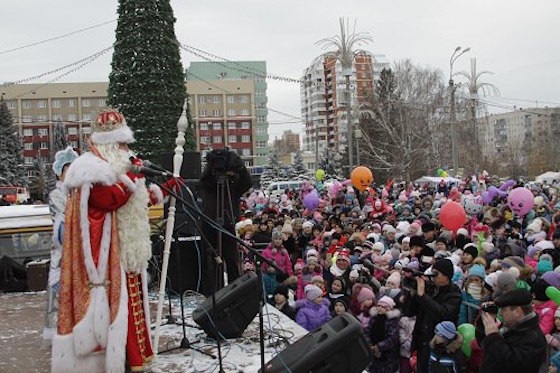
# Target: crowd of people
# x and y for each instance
(429, 299)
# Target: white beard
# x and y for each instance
(132, 218)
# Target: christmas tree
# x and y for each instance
(12, 171)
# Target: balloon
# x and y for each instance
(467, 331)
(553, 293)
(311, 200)
(361, 177)
(319, 174)
(452, 215)
(438, 172)
(508, 184)
(444, 174)
(520, 200)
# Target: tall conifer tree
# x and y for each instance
(12, 171)
(147, 79)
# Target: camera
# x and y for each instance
(489, 307)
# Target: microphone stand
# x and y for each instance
(260, 258)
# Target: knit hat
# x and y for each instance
(395, 279)
(343, 255)
(364, 294)
(373, 237)
(446, 329)
(386, 302)
(312, 252)
(414, 265)
(513, 261)
(354, 274)
(445, 267)
(555, 360)
(378, 246)
(477, 270)
(341, 300)
(462, 232)
(535, 226)
(299, 264)
(505, 281)
(544, 245)
(312, 292)
(552, 278)
(387, 257)
(545, 264)
(490, 280)
(401, 263)
(110, 128)
(557, 313)
(539, 290)
(416, 241)
(429, 226)
(62, 158)
(471, 249)
(388, 228)
(316, 278)
(307, 224)
(406, 239)
(287, 228)
(281, 289)
(488, 247)
(276, 235)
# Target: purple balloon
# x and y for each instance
(508, 184)
(521, 201)
(311, 201)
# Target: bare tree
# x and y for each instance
(403, 123)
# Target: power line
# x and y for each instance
(57, 37)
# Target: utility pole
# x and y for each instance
(350, 127)
(316, 145)
(453, 124)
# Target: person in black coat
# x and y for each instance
(432, 306)
(519, 346)
(223, 167)
(281, 295)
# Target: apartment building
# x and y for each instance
(229, 106)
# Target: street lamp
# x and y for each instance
(452, 60)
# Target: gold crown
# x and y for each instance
(108, 121)
(110, 127)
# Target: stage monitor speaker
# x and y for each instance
(337, 346)
(191, 167)
(184, 272)
(235, 307)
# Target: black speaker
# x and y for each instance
(191, 167)
(187, 264)
(337, 346)
(235, 307)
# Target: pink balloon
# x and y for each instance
(452, 215)
(520, 200)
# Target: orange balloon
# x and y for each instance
(361, 177)
(452, 215)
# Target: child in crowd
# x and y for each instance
(382, 334)
(362, 301)
(446, 355)
(276, 251)
(340, 306)
(472, 294)
(314, 311)
(281, 295)
(338, 291)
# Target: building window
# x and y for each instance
(201, 99)
(203, 126)
(86, 130)
(43, 131)
(41, 104)
(73, 144)
(27, 119)
(217, 112)
(72, 131)
(42, 118)
(26, 104)
(86, 117)
(244, 99)
(245, 125)
(231, 112)
(217, 126)
(231, 125)
(261, 131)
(55, 103)
(28, 160)
(28, 146)
(232, 138)
(217, 100)
(72, 117)
(57, 117)
(231, 99)
(11, 105)
(261, 119)
(245, 112)
(27, 132)
(202, 113)
(260, 144)
(204, 139)
(86, 103)
(245, 152)
(101, 102)
(217, 139)
(245, 138)
(44, 145)
(71, 103)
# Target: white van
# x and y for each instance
(278, 188)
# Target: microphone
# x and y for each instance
(154, 166)
(147, 171)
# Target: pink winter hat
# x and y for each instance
(386, 302)
(364, 294)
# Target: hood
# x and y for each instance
(393, 314)
(452, 347)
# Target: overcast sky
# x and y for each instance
(516, 40)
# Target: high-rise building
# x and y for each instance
(37, 108)
(323, 99)
(288, 143)
(229, 107)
